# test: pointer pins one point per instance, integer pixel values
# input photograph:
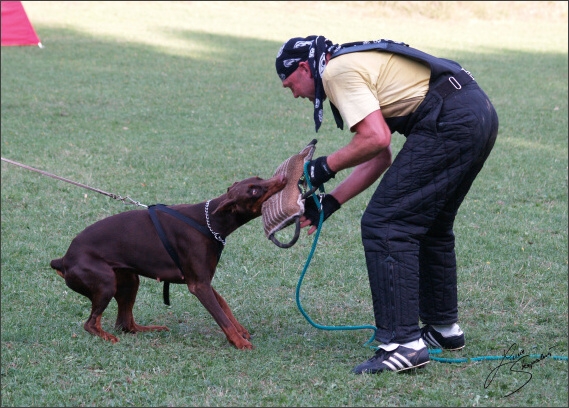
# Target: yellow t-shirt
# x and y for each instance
(360, 83)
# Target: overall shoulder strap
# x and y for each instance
(438, 66)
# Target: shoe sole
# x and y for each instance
(420, 366)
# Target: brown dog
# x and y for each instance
(106, 259)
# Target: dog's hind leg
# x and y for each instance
(127, 288)
(242, 330)
(97, 282)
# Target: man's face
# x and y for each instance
(301, 82)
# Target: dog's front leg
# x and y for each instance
(208, 298)
(242, 330)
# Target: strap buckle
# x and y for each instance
(453, 81)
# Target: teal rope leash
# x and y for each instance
(483, 358)
(370, 327)
(307, 263)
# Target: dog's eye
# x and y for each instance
(255, 191)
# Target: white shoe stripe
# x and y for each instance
(396, 362)
(391, 366)
(402, 358)
(431, 340)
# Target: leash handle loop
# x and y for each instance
(294, 238)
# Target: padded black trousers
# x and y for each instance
(407, 228)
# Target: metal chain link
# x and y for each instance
(215, 234)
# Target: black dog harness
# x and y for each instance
(191, 222)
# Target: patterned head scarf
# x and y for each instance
(312, 49)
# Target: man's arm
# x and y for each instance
(369, 152)
(363, 176)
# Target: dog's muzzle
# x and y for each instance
(287, 206)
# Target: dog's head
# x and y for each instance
(247, 196)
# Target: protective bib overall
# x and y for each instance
(407, 228)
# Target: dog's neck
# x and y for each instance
(225, 222)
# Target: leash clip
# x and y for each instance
(128, 200)
(320, 198)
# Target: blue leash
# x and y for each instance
(319, 326)
(368, 326)
(482, 358)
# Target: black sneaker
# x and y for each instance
(434, 339)
(400, 359)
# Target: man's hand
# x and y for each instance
(319, 172)
(311, 214)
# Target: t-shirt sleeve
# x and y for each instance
(352, 95)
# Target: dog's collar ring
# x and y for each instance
(215, 234)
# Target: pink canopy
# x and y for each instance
(16, 27)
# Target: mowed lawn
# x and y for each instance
(171, 102)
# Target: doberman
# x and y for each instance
(106, 259)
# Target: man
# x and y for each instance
(378, 88)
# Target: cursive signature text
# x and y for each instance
(518, 365)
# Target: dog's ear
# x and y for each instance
(226, 205)
(231, 186)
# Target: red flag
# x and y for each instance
(16, 27)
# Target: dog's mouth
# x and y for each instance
(248, 196)
(275, 184)
(263, 189)
(272, 186)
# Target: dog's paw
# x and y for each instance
(109, 337)
(242, 344)
(245, 334)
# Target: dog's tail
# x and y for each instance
(57, 264)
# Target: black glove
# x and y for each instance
(319, 172)
(328, 203)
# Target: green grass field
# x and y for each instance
(172, 102)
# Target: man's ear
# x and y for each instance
(305, 67)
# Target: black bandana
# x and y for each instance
(312, 49)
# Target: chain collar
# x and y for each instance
(215, 234)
